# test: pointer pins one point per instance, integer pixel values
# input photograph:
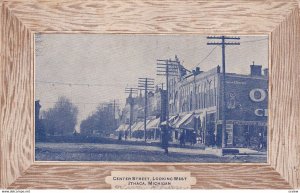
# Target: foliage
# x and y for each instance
(102, 122)
(61, 119)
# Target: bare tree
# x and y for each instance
(100, 122)
(62, 118)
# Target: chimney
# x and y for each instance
(255, 70)
(266, 72)
(198, 70)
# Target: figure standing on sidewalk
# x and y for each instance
(182, 139)
(194, 138)
(126, 135)
(247, 139)
(165, 139)
(260, 141)
(120, 136)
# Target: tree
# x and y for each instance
(101, 122)
(62, 118)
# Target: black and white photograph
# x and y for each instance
(169, 98)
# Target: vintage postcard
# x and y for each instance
(151, 98)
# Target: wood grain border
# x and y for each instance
(20, 19)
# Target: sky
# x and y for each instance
(108, 63)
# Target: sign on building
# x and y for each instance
(229, 131)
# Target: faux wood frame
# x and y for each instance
(20, 19)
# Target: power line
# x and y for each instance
(248, 41)
(79, 103)
(74, 84)
(212, 50)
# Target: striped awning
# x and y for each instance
(123, 127)
(137, 126)
(184, 120)
(153, 124)
(172, 119)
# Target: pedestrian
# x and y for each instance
(247, 139)
(194, 138)
(126, 135)
(165, 139)
(120, 136)
(260, 141)
(182, 139)
(264, 141)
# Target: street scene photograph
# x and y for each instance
(151, 98)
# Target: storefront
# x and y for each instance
(153, 129)
(246, 112)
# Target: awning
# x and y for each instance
(175, 121)
(188, 124)
(153, 124)
(183, 120)
(137, 126)
(122, 127)
(171, 120)
(199, 118)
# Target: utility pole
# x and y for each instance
(167, 68)
(131, 91)
(146, 84)
(114, 113)
(114, 105)
(223, 44)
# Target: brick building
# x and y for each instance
(195, 106)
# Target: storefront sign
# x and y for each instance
(236, 82)
(259, 95)
(239, 122)
(247, 102)
(229, 131)
(261, 112)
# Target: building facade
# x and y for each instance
(132, 119)
(196, 107)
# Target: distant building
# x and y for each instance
(155, 115)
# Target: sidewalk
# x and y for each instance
(196, 149)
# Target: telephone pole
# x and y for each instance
(167, 68)
(114, 115)
(146, 84)
(223, 43)
(114, 105)
(131, 91)
(110, 108)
